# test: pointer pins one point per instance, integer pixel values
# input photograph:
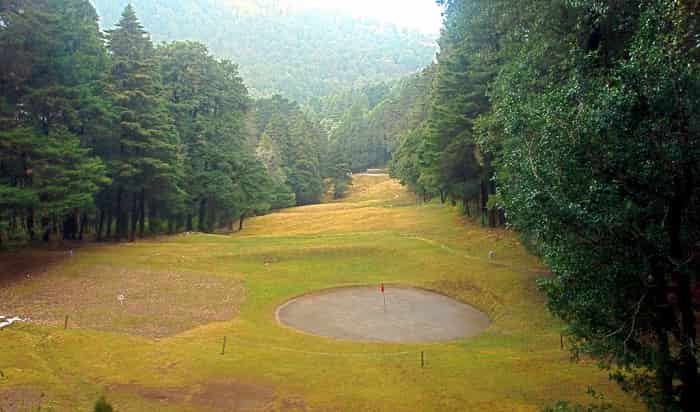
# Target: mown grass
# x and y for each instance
(378, 234)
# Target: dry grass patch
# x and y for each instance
(20, 399)
(156, 303)
(216, 396)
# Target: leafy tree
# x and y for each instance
(598, 157)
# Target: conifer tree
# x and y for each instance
(55, 56)
(147, 167)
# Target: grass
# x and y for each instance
(161, 350)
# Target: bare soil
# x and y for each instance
(156, 303)
(15, 266)
(20, 399)
(358, 313)
(218, 396)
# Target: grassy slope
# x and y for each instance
(378, 234)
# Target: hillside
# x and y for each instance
(300, 54)
(366, 125)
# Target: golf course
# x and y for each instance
(192, 322)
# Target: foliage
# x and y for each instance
(365, 125)
(450, 162)
(46, 172)
(578, 118)
(102, 405)
(289, 144)
(114, 137)
(598, 160)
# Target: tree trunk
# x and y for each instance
(30, 223)
(483, 199)
(202, 215)
(46, 227)
(212, 219)
(134, 217)
(119, 229)
(70, 226)
(189, 225)
(152, 218)
(142, 213)
(83, 223)
(690, 390)
(109, 224)
(664, 367)
(240, 222)
(100, 224)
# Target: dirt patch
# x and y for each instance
(20, 399)
(153, 303)
(233, 396)
(218, 396)
(359, 313)
(19, 266)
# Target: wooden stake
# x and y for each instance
(223, 347)
(65, 324)
(422, 359)
(561, 341)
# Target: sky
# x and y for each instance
(423, 15)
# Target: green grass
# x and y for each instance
(378, 234)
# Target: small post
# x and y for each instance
(65, 323)
(422, 359)
(223, 347)
(561, 341)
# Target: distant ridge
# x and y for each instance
(301, 54)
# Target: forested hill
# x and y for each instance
(365, 125)
(300, 55)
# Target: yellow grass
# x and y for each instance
(378, 234)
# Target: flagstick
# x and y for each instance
(384, 296)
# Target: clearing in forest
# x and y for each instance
(161, 347)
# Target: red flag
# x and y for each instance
(381, 287)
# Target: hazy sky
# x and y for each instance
(419, 14)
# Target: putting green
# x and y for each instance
(397, 315)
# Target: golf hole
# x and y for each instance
(359, 313)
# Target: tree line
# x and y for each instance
(109, 135)
(364, 124)
(576, 122)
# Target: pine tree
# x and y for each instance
(147, 168)
(55, 57)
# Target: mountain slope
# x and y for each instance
(301, 54)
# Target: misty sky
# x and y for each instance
(424, 15)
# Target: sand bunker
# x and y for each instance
(358, 313)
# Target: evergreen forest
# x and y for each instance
(302, 54)
(573, 123)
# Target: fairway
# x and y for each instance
(162, 347)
